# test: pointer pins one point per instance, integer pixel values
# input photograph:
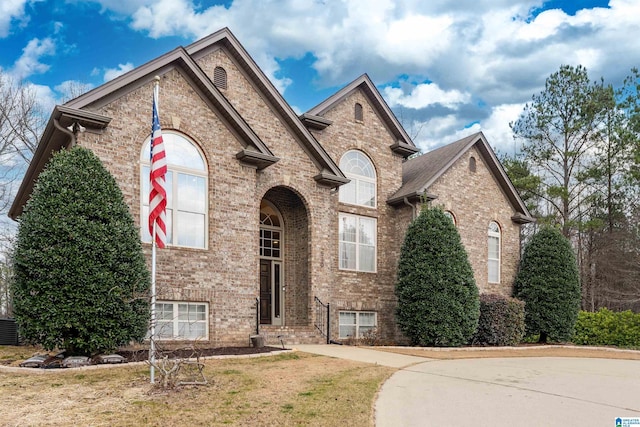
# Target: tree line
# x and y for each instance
(578, 169)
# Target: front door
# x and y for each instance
(270, 292)
(265, 292)
(271, 280)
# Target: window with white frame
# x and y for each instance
(357, 239)
(355, 324)
(361, 190)
(179, 320)
(270, 231)
(186, 185)
(494, 252)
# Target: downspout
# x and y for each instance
(413, 207)
(72, 135)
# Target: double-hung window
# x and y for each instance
(181, 320)
(357, 240)
(355, 324)
(186, 186)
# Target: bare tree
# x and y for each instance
(21, 123)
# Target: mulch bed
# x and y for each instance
(142, 355)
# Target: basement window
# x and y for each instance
(181, 320)
(354, 324)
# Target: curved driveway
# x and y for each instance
(511, 392)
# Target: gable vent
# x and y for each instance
(358, 112)
(220, 78)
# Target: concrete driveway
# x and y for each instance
(511, 392)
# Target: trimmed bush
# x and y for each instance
(549, 283)
(606, 327)
(438, 301)
(81, 282)
(501, 321)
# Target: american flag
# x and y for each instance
(158, 193)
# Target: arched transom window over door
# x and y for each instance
(186, 185)
(361, 190)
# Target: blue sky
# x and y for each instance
(447, 68)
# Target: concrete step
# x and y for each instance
(290, 335)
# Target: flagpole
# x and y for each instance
(152, 346)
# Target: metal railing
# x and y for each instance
(257, 316)
(322, 318)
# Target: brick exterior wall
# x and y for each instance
(361, 291)
(226, 273)
(476, 199)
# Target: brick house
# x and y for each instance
(271, 212)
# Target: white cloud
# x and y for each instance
(112, 73)
(484, 58)
(424, 95)
(29, 62)
(10, 10)
(496, 127)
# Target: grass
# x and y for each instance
(286, 389)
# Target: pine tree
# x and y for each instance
(438, 302)
(549, 283)
(81, 282)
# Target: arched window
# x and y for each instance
(220, 78)
(451, 216)
(472, 164)
(361, 190)
(494, 253)
(358, 112)
(186, 184)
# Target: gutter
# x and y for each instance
(413, 208)
(72, 135)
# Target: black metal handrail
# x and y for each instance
(322, 319)
(257, 316)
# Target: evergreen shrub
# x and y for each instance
(549, 283)
(501, 321)
(606, 327)
(438, 301)
(81, 282)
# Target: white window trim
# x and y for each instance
(176, 321)
(452, 217)
(175, 170)
(279, 229)
(357, 325)
(356, 178)
(358, 244)
(497, 235)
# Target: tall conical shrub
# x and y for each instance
(438, 302)
(548, 282)
(80, 282)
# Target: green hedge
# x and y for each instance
(606, 327)
(501, 321)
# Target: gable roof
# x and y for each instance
(330, 173)
(403, 145)
(81, 110)
(419, 173)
